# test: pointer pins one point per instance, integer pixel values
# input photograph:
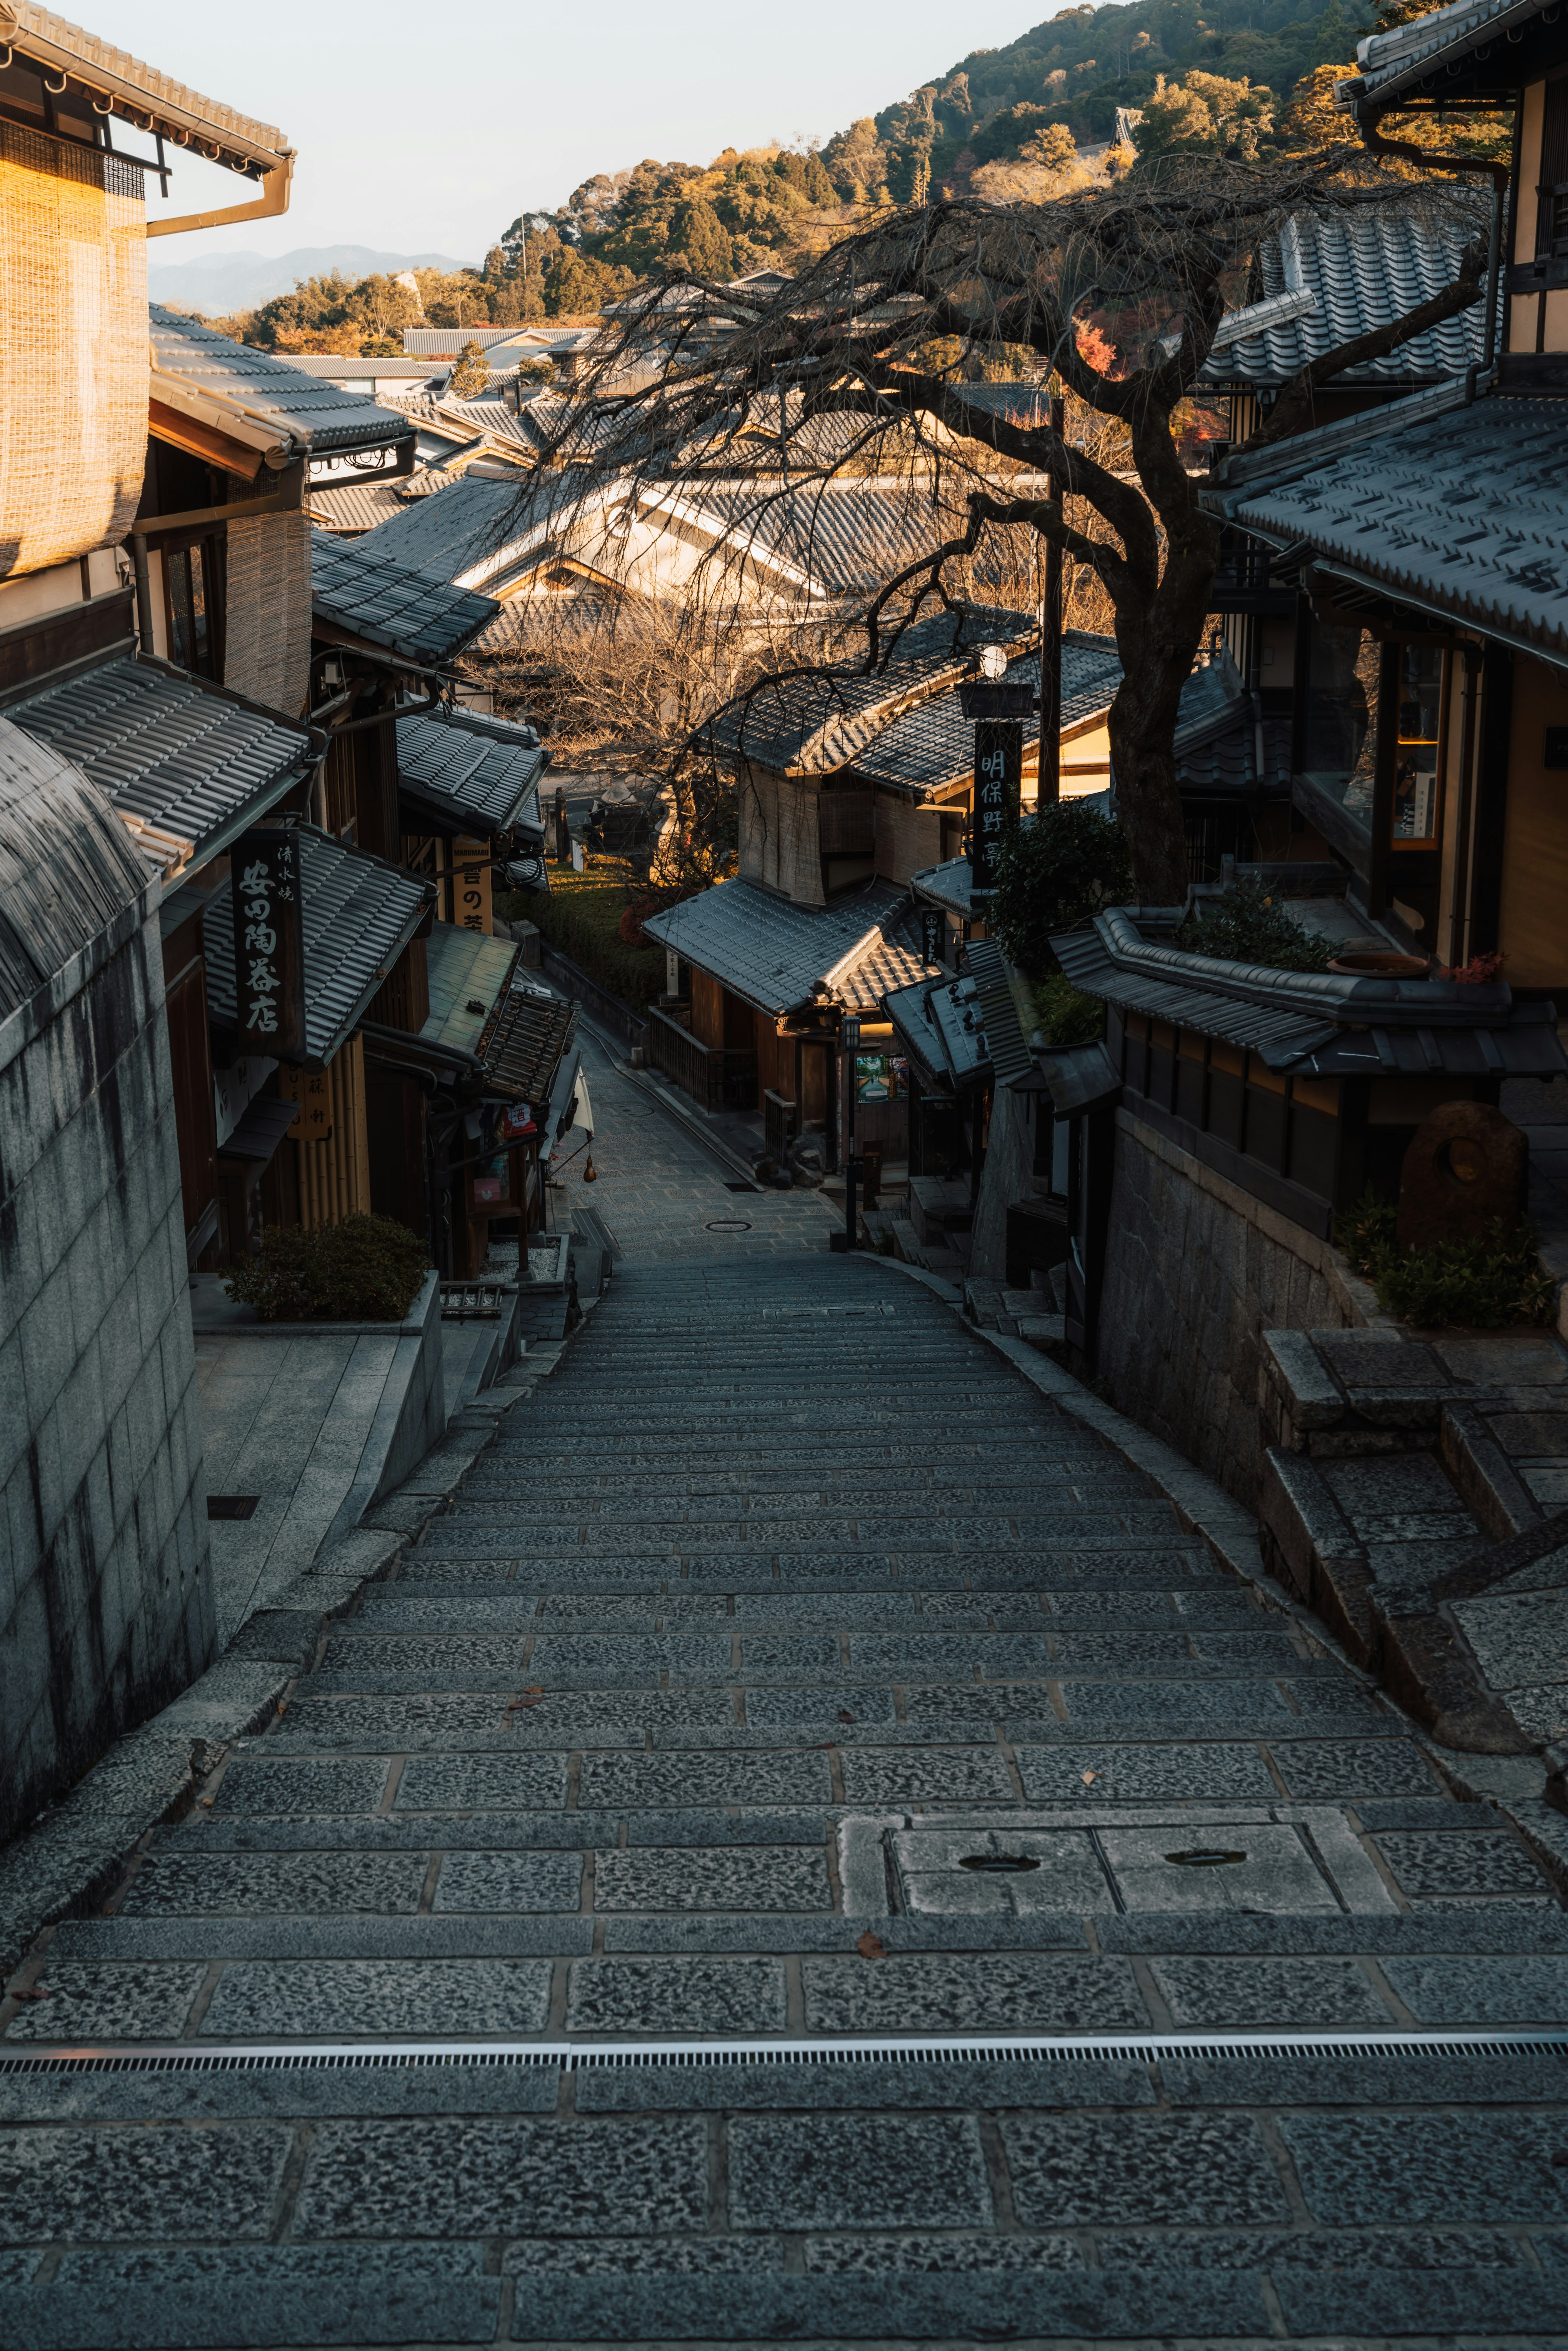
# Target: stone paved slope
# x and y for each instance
(782, 1602)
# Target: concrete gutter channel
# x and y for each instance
(66, 1861)
(1526, 1787)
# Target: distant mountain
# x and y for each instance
(238, 281)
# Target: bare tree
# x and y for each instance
(849, 338)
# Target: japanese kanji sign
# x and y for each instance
(999, 787)
(269, 941)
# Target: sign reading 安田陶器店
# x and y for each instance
(269, 941)
(999, 791)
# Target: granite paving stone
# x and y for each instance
(672, 2257)
(1153, 2170)
(1426, 2169)
(824, 2171)
(939, 1994)
(495, 2178)
(1442, 1867)
(705, 1996)
(257, 1997)
(722, 1776)
(509, 1881)
(1072, 1774)
(1303, 1992)
(339, 1784)
(1314, 1769)
(687, 1878)
(202, 1885)
(108, 2002)
(1528, 1990)
(120, 2184)
(927, 1775)
(875, 2255)
(481, 1784)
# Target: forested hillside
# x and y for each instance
(1220, 78)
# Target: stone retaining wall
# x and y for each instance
(1196, 1271)
(106, 1596)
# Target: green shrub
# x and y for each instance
(581, 913)
(1479, 1285)
(1249, 925)
(1069, 863)
(1064, 1015)
(366, 1269)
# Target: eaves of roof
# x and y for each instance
(357, 914)
(1466, 517)
(1330, 278)
(998, 1007)
(1411, 53)
(250, 388)
(187, 764)
(779, 956)
(151, 100)
(479, 773)
(1321, 1023)
(525, 1042)
(358, 592)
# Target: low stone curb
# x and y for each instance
(64, 1863)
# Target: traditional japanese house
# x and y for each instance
(115, 772)
(1319, 281)
(762, 987)
(1428, 536)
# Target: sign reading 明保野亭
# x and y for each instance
(269, 941)
(999, 791)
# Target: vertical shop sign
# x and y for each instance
(998, 790)
(269, 941)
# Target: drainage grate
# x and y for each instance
(231, 1506)
(291, 2057)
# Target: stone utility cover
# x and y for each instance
(1078, 1860)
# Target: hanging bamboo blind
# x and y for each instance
(335, 1175)
(267, 610)
(73, 354)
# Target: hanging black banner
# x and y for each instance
(269, 942)
(999, 791)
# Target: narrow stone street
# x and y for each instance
(790, 1672)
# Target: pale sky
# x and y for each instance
(428, 129)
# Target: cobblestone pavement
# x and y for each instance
(789, 1669)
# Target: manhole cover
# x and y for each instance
(997, 1861)
(1203, 1856)
(728, 1225)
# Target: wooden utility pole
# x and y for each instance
(1050, 640)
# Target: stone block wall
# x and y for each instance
(1196, 1271)
(106, 1599)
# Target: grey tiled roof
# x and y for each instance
(933, 745)
(349, 509)
(443, 536)
(779, 956)
(1345, 273)
(1466, 515)
(446, 342)
(153, 99)
(479, 772)
(358, 590)
(359, 915)
(317, 416)
(1323, 1024)
(171, 751)
(1414, 50)
(1222, 761)
(333, 365)
(817, 723)
(947, 885)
